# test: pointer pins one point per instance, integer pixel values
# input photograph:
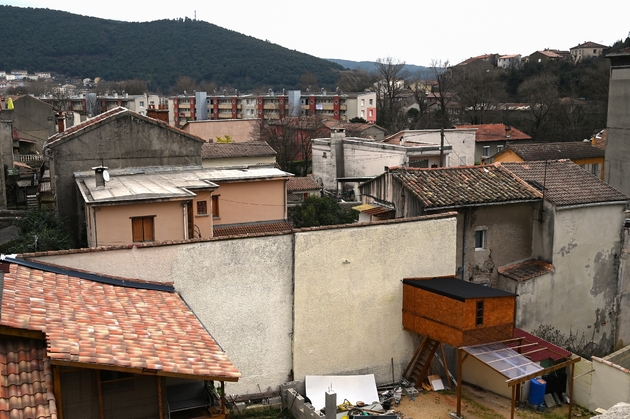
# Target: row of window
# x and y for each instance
(143, 228)
(486, 150)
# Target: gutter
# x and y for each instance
(594, 204)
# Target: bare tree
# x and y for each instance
(541, 93)
(390, 85)
(356, 80)
(419, 88)
(291, 139)
(478, 91)
(185, 84)
(443, 89)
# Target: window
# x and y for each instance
(480, 239)
(462, 161)
(142, 229)
(202, 207)
(215, 206)
(479, 314)
(362, 102)
(362, 113)
(499, 148)
(486, 151)
(142, 103)
(370, 113)
(371, 102)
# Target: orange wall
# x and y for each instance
(507, 156)
(251, 201)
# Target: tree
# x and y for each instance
(132, 87)
(321, 211)
(390, 85)
(225, 140)
(291, 139)
(308, 81)
(39, 231)
(443, 90)
(478, 91)
(185, 84)
(541, 93)
(356, 80)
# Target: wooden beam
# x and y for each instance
(515, 381)
(101, 408)
(23, 333)
(448, 374)
(512, 402)
(141, 371)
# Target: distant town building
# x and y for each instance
(587, 50)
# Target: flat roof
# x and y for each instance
(456, 289)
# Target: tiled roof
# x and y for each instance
(565, 183)
(103, 322)
(550, 54)
(554, 151)
(621, 53)
(496, 132)
(590, 44)
(302, 184)
(258, 228)
(26, 382)
(229, 150)
(600, 139)
(464, 186)
(526, 270)
(111, 114)
(351, 126)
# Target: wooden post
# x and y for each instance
(160, 396)
(571, 374)
(57, 390)
(512, 403)
(448, 375)
(459, 382)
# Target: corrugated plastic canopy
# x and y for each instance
(504, 360)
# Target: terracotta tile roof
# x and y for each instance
(307, 183)
(589, 44)
(534, 353)
(496, 132)
(484, 57)
(600, 139)
(249, 229)
(549, 54)
(111, 114)
(526, 270)
(351, 126)
(229, 150)
(621, 53)
(26, 382)
(102, 322)
(565, 183)
(464, 186)
(554, 151)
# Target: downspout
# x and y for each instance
(94, 227)
(185, 212)
(464, 244)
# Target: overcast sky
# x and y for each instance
(414, 31)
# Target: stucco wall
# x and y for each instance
(239, 130)
(578, 298)
(124, 141)
(508, 239)
(462, 141)
(610, 384)
(618, 122)
(113, 223)
(623, 320)
(238, 161)
(288, 303)
(245, 202)
(348, 294)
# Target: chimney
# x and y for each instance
(101, 178)
(61, 122)
(402, 140)
(508, 131)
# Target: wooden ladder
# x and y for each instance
(418, 367)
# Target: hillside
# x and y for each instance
(157, 52)
(370, 67)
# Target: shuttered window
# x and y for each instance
(142, 229)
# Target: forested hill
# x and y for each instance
(157, 52)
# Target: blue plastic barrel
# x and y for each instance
(537, 388)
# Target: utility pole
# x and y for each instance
(442, 147)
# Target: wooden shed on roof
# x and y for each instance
(457, 312)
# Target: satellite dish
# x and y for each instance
(105, 175)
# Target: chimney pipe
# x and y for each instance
(61, 122)
(100, 177)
